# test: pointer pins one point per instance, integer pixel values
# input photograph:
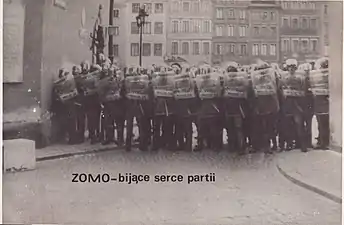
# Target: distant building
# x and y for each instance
(119, 32)
(190, 30)
(154, 32)
(231, 32)
(300, 30)
(264, 30)
(324, 36)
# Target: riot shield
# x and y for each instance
(293, 85)
(163, 84)
(184, 86)
(264, 82)
(319, 81)
(137, 87)
(208, 85)
(88, 82)
(235, 84)
(66, 88)
(109, 89)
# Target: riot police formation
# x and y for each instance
(261, 107)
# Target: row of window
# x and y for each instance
(298, 5)
(191, 26)
(263, 15)
(146, 49)
(230, 13)
(299, 23)
(184, 48)
(147, 28)
(299, 45)
(158, 7)
(231, 30)
(264, 49)
(190, 7)
(241, 49)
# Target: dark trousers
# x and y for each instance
(308, 129)
(235, 136)
(209, 128)
(163, 131)
(93, 110)
(324, 130)
(112, 117)
(184, 132)
(295, 130)
(80, 122)
(264, 130)
(67, 121)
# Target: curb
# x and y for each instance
(68, 155)
(310, 187)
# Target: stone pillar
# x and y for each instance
(335, 65)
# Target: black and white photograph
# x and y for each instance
(172, 112)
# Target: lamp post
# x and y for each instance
(141, 20)
(110, 47)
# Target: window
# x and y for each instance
(243, 50)
(285, 22)
(159, 8)
(263, 49)
(206, 48)
(219, 30)
(265, 31)
(219, 13)
(304, 23)
(174, 48)
(242, 31)
(134, 49)
(304, 45)
(231, 14)
(313, 24)
(242, 14)
(157, 49)
(272, 49)
(135, 7)
(265, 15)
(273, 15)
(232, 49)
(230, 30)
(273, 30)
(325, 9)
(116, 13)
(206, 26)
(295, 46)
(175, 26)
(186, 6)
(116, 50)
(196, 26)
(195, 48)
(314, 45)
(255, 49)
(219, 49)
(256, 31)
(158, 28)
(134, 28)
(186, 26)
(116, 31)
(196, 7)
(146, 49)
(295, 23)
(185, 48)
(285, 45)
(147, 28)
(148, 8)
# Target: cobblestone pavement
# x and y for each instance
(248, 190)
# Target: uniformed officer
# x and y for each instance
(321, 106)
(80, 110)
(294, 102)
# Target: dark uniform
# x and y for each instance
(142, 109)
(208, 115)
(163, 121)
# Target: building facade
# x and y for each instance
(190, 30)
(119, 32)
(300, 30)
(154, 32)
(264, 30)
(231, 32)
(324, 8)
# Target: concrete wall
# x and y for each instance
(336, 70)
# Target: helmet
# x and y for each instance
(321, 63)
(291, 62)
(85, 66)
(76, 70)
(63, 72)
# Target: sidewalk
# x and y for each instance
(318, 171)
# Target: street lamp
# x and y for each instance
(140, 21)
